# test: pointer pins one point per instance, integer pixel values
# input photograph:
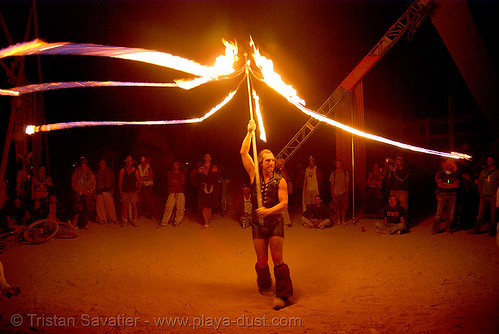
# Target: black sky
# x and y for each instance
(314, 45)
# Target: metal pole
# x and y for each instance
(259, 200)
(353, 174)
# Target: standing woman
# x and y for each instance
(208, 188)
(40, 187)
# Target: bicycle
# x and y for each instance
(37, 233)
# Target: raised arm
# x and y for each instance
(245, 147)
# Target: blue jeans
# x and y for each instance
(442, 200)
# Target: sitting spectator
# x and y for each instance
(176, 197)
(247, 207)
(317, 215)
(5, 288)
(395, 218)
(40, 187)
(17, 214)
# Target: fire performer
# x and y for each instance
(267, 222)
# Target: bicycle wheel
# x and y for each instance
(41, 231)
(66, 231)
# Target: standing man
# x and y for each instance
(311, 184)
(399, 182)
(176, 197)
(281, 169)
(83, 183)
(267, 222)
(146, 187)
(447, 182)
(129, 187)
(340, 184)
(487, 182)
(104, 190)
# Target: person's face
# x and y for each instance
(392, 201)
(84, 165)
(398, 163)
(490, 161)
(279, 164)
(102, 164)
(52, 198)
(143, 162)
(41, 171)
(207, 158)
(268, 162)
(311, 163)
(176, 166)
(317, 201)
(339, 164)
(17, 203)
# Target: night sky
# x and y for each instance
(314, 46)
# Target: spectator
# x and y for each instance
(40, 187)
(467, 200)
(208, 191)
(447, 181)
(245, 218)
(394, 218)
(312, 183)
(17, 214)
(146, 187)
(398, 181)
(281, 169)
(340, 184)
(104, 191)
(24, 176)
(317, 215)
(176, 197)
(487, 183)
(129, 187)
(83, 183)
(374, 202)
(5, 288)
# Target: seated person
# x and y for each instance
(17, 214)
(247, 207)
(395, 217)
(5, 288)
(316, 215)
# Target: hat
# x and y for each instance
(129, 158)
(142, 159)
(83, 159)
(100, 159)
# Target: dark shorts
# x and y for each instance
(276, 230)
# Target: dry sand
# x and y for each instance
(126, 280)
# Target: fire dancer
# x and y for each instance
(267, 222)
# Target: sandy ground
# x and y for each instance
(128, 280)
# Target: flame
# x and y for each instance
(258, 112)
(273, 79)
(224, 64)
(32, 129)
